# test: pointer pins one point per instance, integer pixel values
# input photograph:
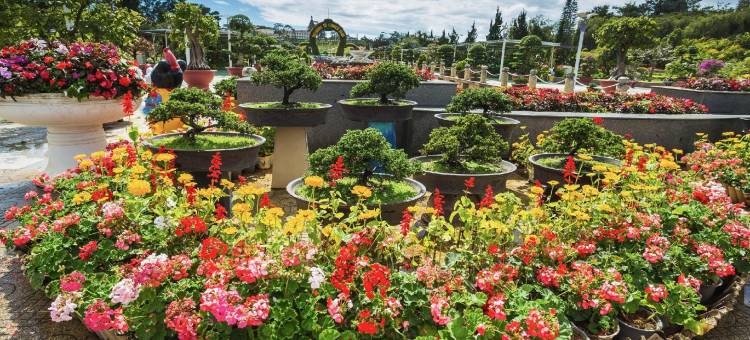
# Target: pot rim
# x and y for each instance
(511, 166)
(323, 106)
(659, 323)
(585, 331)
(533, 159)
(344, 102)
(196, 71)
(260, 139)
(57, 95)
(509, 120)
(299, 181)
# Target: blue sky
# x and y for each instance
(370, 17)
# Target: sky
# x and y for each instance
(363, 17)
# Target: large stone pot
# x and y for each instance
(504, 126)
(718, 102)
(285, 117)
(545, 174)
(197, 162)
(198, 78)
(73, 127)
(377, 113)
(450, 183)
(390, 212)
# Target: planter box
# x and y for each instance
(718, 102)
(670, 131)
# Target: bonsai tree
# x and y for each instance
(243, 26)
(387, 79)
(469, 146)
(489, 100)
(199, 110)
(621, 34)
(190, 20)
(362, 151)
(580, 134)
(288, 72)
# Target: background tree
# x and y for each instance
(199, 28)
(453, 37)
(622, 34)
(471, 36)
(477, 54)
(540, 27)
(519, 28)
(496, 26)
(742, 4)
(396, 53)
(566, 28)
(242, 25)
(444, 38)
(445, 53)
(529, 54)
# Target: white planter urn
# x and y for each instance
(73, 127)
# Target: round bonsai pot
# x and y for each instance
(377, 113)
(708, 291)
(577, 331)
(451, 183)
(198, 161)
(504, 129)
(629, 331)
(198, 78)
(286, 117)
(545, 174)
(235, 71)
(390, 212)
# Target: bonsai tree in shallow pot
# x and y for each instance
(200, 111)
(188, 19)
(242, 26)
(360, 167)
(287, 72)
(490, 101)
(390, 81)
(574, 148)
(465, 157)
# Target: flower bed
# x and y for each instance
(727, 161)
(718, 84)
(354, 72)
(128, 245)
(553, 100)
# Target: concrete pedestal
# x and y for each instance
(289, 156)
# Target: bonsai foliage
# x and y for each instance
(363, 151)
(621, 34)
(387, 79)
(580, 134)
(489, 100)
(242, 25)
(200, 110)
(198, 28)
(286, 71)
(470, 142)
(226, 86)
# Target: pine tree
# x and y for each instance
(443, 39)
(471, 36)
(566, 28)
(519, 28)
(453, 38)
(496, 26)
(742, 4)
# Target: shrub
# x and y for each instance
(470, 142)
(200, 110)
(226, 86)
(489, 100)
(387, 79)
(575, 135)
(283, 70)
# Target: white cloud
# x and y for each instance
(221, 2)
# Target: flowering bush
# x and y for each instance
(718, 84)
(596, 101)
(710, 67)
(159, 258)
(727, 160)
(80, 70)
(349, 72)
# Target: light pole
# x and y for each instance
(504, 35)
(583, 17)
(229, 40)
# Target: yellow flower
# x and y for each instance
(272, 216)
(242, 212)
(85, 164)
(227, 183)
(369, 214)
(79, 157)
(139, 187)
(118, 170)
(314, 181)
(553, 183)
(230, 230)
(306, 214)
(537, 213)
(138, 169)
(249, 189)
(81, 197)
(669, 165)
(362, 191)
(146, 155)
(585, 157)
(677, 151)
(185, 178)
(537, 190)
(98, 155)
(604, 207)
(163, 157)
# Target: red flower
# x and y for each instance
(124, 81)
(127, 104)
(469, 183)
(220, 212)
(598, 120)
(367, 327)
(214, 171)
(377, 276)
(87, 250)
(192, 224)
(656, 292)
(265, 202)
(212, 247)
(227, 104)
(569, 171)
(406, 222)
(438, 202)
(337, 171)
(488, 199)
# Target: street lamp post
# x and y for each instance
(583, 17)
(504, 34)
(229, 40)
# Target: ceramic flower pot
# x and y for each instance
(235, 71)
(198, 78)
(391, 212)
(197, 162)
(504, 126)
(73, 127)
(285, 117)
(377, 113)
(582, 333)
(454, 183)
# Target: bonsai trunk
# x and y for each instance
(197, 59)
(621, 60)
(384, 98)
(287, 93)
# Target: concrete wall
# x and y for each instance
(431, 98)
(719, 102)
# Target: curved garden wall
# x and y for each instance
(718, 102)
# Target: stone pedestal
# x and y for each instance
(290, 156)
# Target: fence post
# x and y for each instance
(442, 69)
(483, 75)
(467, 72)
(569, 83)
(623, 85)
(454, 71)
(532, 79)
(504, 77)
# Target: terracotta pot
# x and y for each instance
(286, 117)
(264, 162)
(377, 113)
(235, 71)
(198, 78)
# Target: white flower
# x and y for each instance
(155, 259)
(317, 277)
(162, 222)
(171, 203)
(62, 49)
(61, 309)
(124, 292)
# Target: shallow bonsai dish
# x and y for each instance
(377, 113)
(285, 116)
(390, 212)
(233, 159)
(545, 173)
(453, 183)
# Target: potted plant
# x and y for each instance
(573, 148)
(188, 20)
(360, 167)
(241, 25)
(69, 89)
(492, 103)
(386, 79)
(200, 111)
(287, 72)
(469, 149)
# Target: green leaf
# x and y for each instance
(329, 334)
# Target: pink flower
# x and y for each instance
(100, 317)
(656, 292)
(182, 318)
(87, 250)
(250, 269)
(437, 304)
(62, 308)
(72, 282)
(124, 292)
(495, 307)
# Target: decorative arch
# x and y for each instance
(327, 25)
